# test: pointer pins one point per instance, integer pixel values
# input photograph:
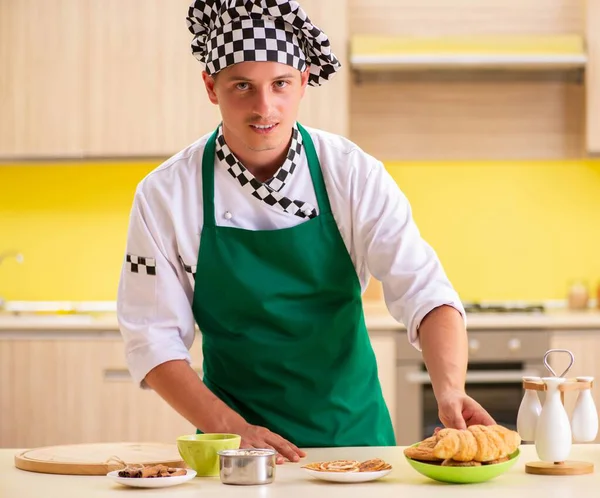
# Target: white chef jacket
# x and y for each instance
(372, 214)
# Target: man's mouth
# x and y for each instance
(264, 129)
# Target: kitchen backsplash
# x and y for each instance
(503, 230)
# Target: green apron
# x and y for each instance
(283, 333)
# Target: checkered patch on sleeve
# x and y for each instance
(188, 268)
(141, 264)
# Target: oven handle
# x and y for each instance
(482, 377)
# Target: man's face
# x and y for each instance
(258, 102)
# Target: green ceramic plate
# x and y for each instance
(463, 475)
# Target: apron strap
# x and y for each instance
(208, 180)
(315, 171)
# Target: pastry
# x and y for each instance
(422, 453)
(373, 465)
(476, 444)
(498, 460)
(340, 466)
(454, 463)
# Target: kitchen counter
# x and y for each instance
(292, 482)
(376, 315)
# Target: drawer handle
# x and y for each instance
(117, 375)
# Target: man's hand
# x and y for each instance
(254, 436)
(181, 387)
(457, 410)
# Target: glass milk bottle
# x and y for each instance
(584, 421)
(529, 412)
(553, 432)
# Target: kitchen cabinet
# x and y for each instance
(75, 389)
(464, 112)
(117, 79)
(384, 347)
(146, 95)
(585, 346)
(593, 77)
(42, 78)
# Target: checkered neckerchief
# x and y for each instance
(268, 191)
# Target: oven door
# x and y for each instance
(495, 386)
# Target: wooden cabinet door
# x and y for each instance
(43, 57)
(585, 346)
(147, 97)
(129, 413)
(592, 77)
(384, 346)
(76, 389)
(328, 107)
(49, 391)
(118, 79)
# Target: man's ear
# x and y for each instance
(304, 79)
(209, 83)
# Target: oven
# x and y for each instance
(498, 360)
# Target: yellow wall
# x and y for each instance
(518, 230)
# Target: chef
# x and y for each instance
(265, 233)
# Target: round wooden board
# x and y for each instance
(568, 468)
(94, 459)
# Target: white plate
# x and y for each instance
(152, 482)
(348, 476)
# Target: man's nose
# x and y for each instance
(263, 102)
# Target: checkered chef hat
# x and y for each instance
(227, 32)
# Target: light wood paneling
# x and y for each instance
(425, 118)
(56, 391)
(48, 392)
(593, 76)
(326, 107)
(146, 91)
(384, 347)
(444, 17)
(116, 79)
(69, 391)
(585, 347)
(134, 414)
(42, 77)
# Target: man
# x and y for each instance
(265, 233)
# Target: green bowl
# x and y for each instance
(199, 451)
(463, 475)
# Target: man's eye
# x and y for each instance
(281, 84)
(242, 86)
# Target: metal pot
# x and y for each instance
(247, 466)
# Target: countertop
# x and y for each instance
(292, 482)
(376, 315)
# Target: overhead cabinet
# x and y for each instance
(118, 79)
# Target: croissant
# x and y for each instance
(479, 443)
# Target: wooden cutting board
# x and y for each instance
(95, 459)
